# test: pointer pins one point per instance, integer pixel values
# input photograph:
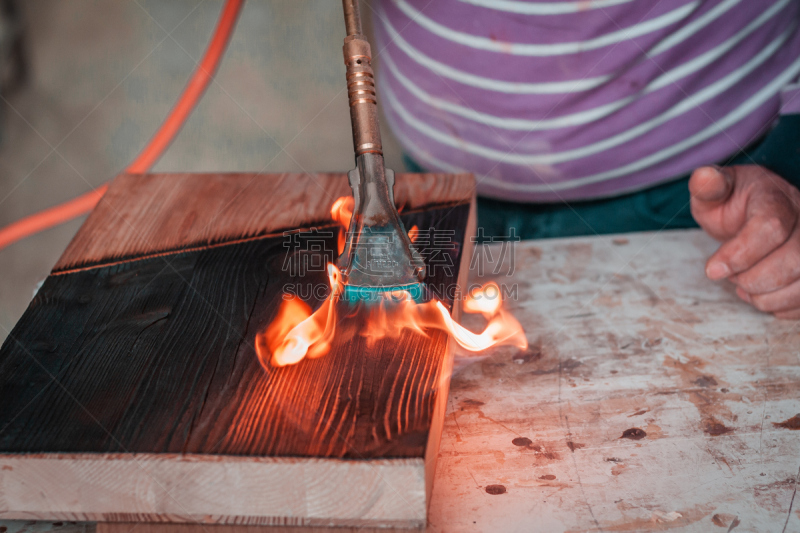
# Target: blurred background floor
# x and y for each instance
(102, 75)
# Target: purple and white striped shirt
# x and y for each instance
(560, 100)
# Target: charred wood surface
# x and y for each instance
(156, 355)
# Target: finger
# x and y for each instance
(784, 299)
(710, 186)
(710, 189)
(760, 236)
(794, 314)
(779, 269)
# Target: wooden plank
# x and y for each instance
(144, 390)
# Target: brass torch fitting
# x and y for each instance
(361, 94)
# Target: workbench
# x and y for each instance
(650, 399)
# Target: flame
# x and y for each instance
(485, 300)
(342, 212)
(296, 332)
(413, 233)
(398, 312)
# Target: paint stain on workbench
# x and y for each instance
(700, 387)
(574, 446)
(773, 496)
(653, 431)
(464, 385)
(540, 451)
(634, 434)
(494, 490)
(657, 521)
(792, 423)
(725, 520)
(531, 354)
(552, 456)
(563, 367)
(706, 381)
(535, 253)
(469, 404)
(715, 428)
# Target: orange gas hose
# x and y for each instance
(194, 90)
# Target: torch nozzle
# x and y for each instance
(378, 256)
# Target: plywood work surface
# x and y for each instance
(651, 399)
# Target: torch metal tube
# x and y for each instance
(352, 17)
(360, 85)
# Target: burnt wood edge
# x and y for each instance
(198, 246)
(443, 389)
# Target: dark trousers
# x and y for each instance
(664, 206)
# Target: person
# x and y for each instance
(606, 116)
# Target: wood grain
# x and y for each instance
(212, 489)
(158, 213)
(146, 367)
(157, 356)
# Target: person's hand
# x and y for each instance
(754, 212)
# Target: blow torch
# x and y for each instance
(378, 258)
